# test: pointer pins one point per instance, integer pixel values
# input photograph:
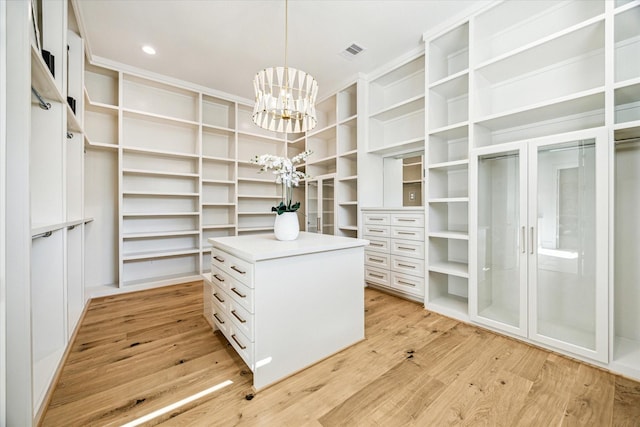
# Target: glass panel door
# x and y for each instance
(500, 225)
(328, 206)
(566, 269)
(313, 219)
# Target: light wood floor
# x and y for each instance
(137, 353)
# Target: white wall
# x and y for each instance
(3, 142)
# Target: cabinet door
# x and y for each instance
(313, 218)
(498, 264)
(568, 224)
(321, 205)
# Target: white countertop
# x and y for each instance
(265, 246)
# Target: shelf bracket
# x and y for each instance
(43, 104)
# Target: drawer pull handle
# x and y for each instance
(406, 232)
(407, 220)
(373, 218)
(376, 231)
(404, 248)
(376, 244)
(235, 291)
(238, 317)
(233, 267)
(376, 260)
(220, 279)
(218, 319)
(379, 276)
(217, 258)
(217, 297)
(406, 265)
(402, 282)
(238, 342)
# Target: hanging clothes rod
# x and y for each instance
(45, 234)
(43, 104)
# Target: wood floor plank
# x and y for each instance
(137, 353)
(548, 398)
(626, 403)
(591, 401)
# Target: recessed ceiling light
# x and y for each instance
(148, 50)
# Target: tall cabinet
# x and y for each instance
(531, 123)
(50, 161)
(539, 233)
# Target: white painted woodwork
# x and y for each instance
(263, 294)
(395, 257)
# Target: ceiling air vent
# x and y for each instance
(352, 51)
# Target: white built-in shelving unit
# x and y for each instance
(183, 175)
(447, 158)
(625, 274)
(53, 169)
(333, 166)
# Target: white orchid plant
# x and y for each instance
(286, 174)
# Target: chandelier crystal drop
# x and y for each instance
(285, 97)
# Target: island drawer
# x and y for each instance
(241, 319)
(220, 278)
(376, 218)
(376, 259)
(241, 294)
(234, 266)
(220, 298)
(219, 317)
(242, 344)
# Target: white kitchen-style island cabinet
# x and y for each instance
(285, 305)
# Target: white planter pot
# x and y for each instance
(286, 226)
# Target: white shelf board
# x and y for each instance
(348, 227)
(256, 213)
(226, 204)
(73, 125)
(218, 159)
(453, 165)
(91, 105)
(218, 129)
(330, 129)
(452, 132)
(444, 81)
(249, 229)
(450, 267)
(459, 235)
(143, 235)
(406, 107)
(449, 200)
(350, 154)
(151, 282)
(322, 162)
(349, 121)
(158, 214)
(627, 130)
(218, 181)
(400, 147)
(450, 305)
(217, 226)
(37, 229)
(158, 194)
(42, 80)
(159, 152)
(257, 196)
(349, 203)
(260, 180)
(545, 51)
(578, 103)
(349, 178)
(129, 171)
(259, 136)
(452, 87)
(158, 254)
(128, 112)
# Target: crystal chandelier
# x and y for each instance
(285, 96)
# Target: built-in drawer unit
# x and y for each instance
(235, 267)
(395, 257)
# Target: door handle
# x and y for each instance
(523, 243)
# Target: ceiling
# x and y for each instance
(221, 44)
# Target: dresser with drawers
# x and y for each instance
(395, 257)
(284, 305)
